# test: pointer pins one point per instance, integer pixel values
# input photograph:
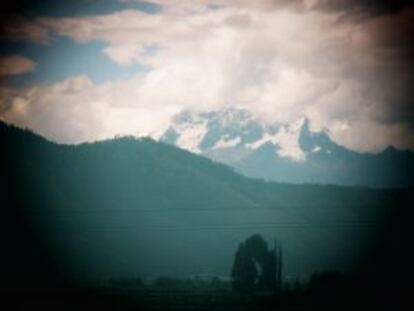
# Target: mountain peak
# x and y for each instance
(202, 131)
(390, 149)
(281, 152)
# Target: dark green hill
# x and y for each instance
(135, 206)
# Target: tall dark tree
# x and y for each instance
(268, 277)
(256, 267)
(244, 273)
(257, 247)
(278, 254)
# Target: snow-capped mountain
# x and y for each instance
(203, 131)
(284, 153)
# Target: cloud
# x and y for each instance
(283, 60)
(77, 110)
(18, 28)
(15, 65)
(362, 9)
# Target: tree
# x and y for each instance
(257, 267)
(244, 272)
(267, 279)
(257, 247)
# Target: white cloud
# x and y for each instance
(16, 65)
(275, 58)
(77, 110)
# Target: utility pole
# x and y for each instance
(277, 250)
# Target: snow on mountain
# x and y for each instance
(191, 139)
(190, 135)
(226, 142)
(266, 138)
(283, 152)
(287, 140)
(207, 131)
(316, 149)
(202, 131)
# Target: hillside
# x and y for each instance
(135, 206)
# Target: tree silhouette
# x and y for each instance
(256, 267)
(244, 272)
(267, 280)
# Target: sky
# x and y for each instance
(86, 70)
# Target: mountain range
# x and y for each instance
(134, 206)
(285, 153)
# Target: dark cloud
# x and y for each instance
(361, 9)
(18, 17)
(394, 31)
(391, 44)
(18, 28)
(34, 8)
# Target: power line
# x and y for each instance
(222, 226)
(157, 210)
(133, 210)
